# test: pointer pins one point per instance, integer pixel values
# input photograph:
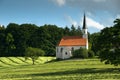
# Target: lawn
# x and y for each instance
(16, 68)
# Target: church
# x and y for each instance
(69, 43)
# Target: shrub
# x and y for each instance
(80, 53)
(91, 54)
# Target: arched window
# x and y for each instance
(72, 48)
(61, 50)
(66, 53)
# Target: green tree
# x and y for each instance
(66, 31)
(9, 45)
(33, 53)
(91, 54)
(51, 37)
(22, 36)
(73, 31)
(79, 31)
(109, 44)
(2, 41)
(15, 30)
(94, 42)
(25, 32)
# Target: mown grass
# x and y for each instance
(16, 68)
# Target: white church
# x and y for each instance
(69, 43)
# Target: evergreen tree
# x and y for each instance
(79, 31)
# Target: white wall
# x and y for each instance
(66, 52)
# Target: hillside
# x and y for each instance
(12, 68)
(20, 61)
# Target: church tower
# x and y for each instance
(85, 31)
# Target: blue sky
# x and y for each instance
(100, 13)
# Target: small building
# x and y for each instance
(69, 43)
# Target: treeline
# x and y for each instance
(15, 38)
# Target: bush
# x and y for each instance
(91, 54)
(80, 53)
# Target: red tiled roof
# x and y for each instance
(72, 41)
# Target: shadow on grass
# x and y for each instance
(54, 60)
(57, 60)
(80, 71)
(13, 60)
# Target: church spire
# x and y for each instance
(84, 29)
(84, 22)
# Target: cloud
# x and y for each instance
(59, 2)
(99, 0)
(92, 5)
(92, 23)
(118, 16)
(71, 21)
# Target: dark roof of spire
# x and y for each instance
(84, 22)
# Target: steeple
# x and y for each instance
(84, 22)
(84, 31)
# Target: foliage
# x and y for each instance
(33, 53)
(10, 47)
(91, 54)
(80, 53)
(109, 44)
(94, 42)
(45, 37)
(2, 41)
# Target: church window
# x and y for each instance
(66, 53)
(61, 50)
(72, 48)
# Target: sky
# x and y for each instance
(99, 13)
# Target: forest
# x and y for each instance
(15, 38)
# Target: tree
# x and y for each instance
(91, 54)
(18, 35)
(33, 53)
(25, 30)
(2, 41)
(79, 31)
(66, 31)
(94, 42)
(9, 45)
(109, 44)
(73, 31)
(51, 35)
(22, 36)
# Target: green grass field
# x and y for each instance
(16, 68)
